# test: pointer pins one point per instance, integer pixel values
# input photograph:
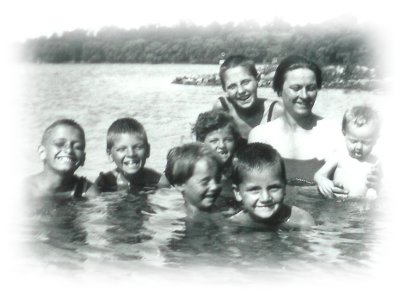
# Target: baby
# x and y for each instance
(352, 168)
(62, 151)
(128, 148)
(195, 170)
(259, 182)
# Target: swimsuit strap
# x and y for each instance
(224, 104)
(271, 110)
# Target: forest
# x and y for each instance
(344, 43)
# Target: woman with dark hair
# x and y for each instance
(303, 138)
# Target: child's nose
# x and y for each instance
(240, 89)
(130, 152)
(264, 196)
(214, 185)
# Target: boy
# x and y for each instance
(351, 168)
(128, 148)
(259, 182)
(62, 151)
(217, 129)
(195, 170)
(239, 80)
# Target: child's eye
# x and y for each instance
(121, 149)
(228, 139)
(246, 81)
(78, 147)
(312, 87)
(295, 87)
(231, 87)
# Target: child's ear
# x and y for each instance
(42, 152)
(236, 192)
(110, 158)
(148, 151)
(83, 159)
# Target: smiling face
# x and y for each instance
(129, 152)
(261, 192)
(360, 140)
(241, 87)
(299, 92)
(64, 149)
(201, 190)
(222, 141)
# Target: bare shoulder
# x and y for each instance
(265, 132)
(217, 105)
(300, 218)
(92, 191)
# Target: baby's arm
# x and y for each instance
(322, 177)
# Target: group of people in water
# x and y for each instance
(247, 151)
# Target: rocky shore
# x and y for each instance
(358, 77)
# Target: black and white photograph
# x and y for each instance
(202, 145)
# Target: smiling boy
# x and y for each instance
(62, 151)
(259, 182)
(128, 148)
(195, 170)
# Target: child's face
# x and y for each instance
(129, 152)
(222, 141)
(241, 87)
(262, 192)
(201, 190)
(360, 140)
(64, 149)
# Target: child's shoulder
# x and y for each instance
(299, 219)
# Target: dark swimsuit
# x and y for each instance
(301, 172)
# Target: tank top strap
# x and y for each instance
(271, 110)
(224, 104)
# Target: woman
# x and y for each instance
(303, 138)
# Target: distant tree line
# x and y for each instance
(341, 43)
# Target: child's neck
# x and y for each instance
(194, 212)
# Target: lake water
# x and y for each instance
(124, 232)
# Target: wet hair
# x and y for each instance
(125, 125)
(255, 156)
(359, 116)
(182, 160)
(212, 120)
(63, 122)
(291, 63)
(235, 61)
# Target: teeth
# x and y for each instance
(65, 159)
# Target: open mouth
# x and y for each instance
(132, 163)
(244, 99)
(66, 159)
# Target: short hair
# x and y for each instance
(212, 120)
(291, 63)
(359, 116)
(255, 156)
(63, 122)
(125, 125)
(182, 160)
(234, 61)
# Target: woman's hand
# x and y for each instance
(374, 176)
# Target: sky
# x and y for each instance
(28, 19)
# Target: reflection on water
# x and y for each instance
(130, 229)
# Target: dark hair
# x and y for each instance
(294, 62)
(359, 116)
(212, 120)
(63, 122)
(125, 125)
(182, 160)
(234, 61)
(255, 156)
